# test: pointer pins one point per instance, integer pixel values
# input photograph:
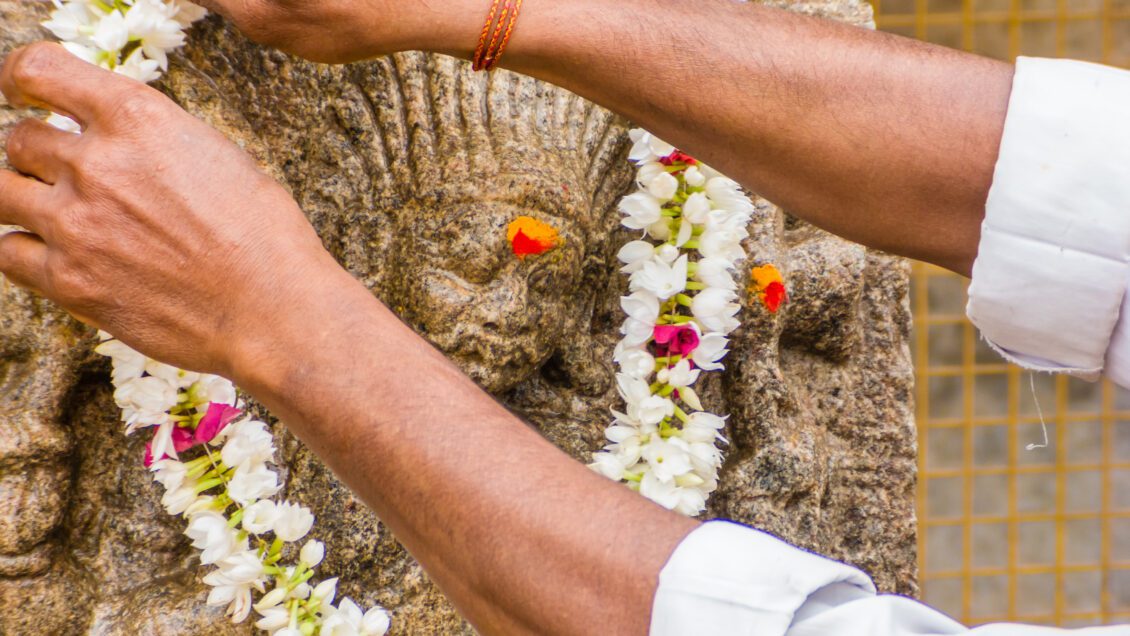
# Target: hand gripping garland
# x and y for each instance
(212, 464)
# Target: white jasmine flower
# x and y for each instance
(727, 194)
(111, 33)
(188, 12)
(608, 464)
(648, 172)
(147, 395)
(694, 177)
(715, 309)
(162, 445)
(641, 305)
(179, 500)
(210, 533)
(659, 230)
(127, 364)
(681, 376)
(71, 21)
(169, 473)
(722, 243)
(312, 553)
(668, 458)
(274, 619)
(138, 67)
(663, 186)
(636, 332)
(233, 581)
(87, 53)
(260, 517)
(647, 147)
(325, 591)
(252, 482)
(634, 361)
(711, 348)
(172, 376)
(247, 441)
(696, 209)
(668, 253)
(271, 599)
(715, 272)
(293, 523)
(634, 254)
(654, 409)
(660, 278)
(347, 620)
(641, 210)
(703, 427)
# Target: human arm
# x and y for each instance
(197, 258)
(883, 140)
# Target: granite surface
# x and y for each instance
(411, 167)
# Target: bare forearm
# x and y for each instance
(880, 139)
(520, 537)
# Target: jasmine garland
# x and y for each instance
(682, 307)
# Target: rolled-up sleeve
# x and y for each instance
(727, 579)
(1052, 267)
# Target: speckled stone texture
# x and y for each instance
(411, 167)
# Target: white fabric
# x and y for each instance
(1051, 270)
(726, 579)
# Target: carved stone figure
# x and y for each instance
(411, 167)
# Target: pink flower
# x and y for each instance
(676, 339)
(215, 420)
(182, 441)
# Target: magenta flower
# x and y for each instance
(676, 339)
(182, 441)
(215, 420)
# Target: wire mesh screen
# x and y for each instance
(1007, 533)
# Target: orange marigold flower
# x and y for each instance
(528, 235)
(769, 286)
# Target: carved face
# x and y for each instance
(499, 317)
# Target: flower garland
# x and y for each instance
(679, 314)
(212, 464)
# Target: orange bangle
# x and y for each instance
(487, 55)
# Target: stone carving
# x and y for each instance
(410, 167)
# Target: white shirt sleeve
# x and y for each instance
(1051, 272)
(726, 579)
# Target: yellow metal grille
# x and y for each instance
(1008, 534)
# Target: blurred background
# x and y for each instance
(1039, 536)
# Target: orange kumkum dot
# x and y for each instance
(769, 286)
(528, 236)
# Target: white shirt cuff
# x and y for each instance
(1051, 269)
(725, 578)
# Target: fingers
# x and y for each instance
(23, 259)
(40, 150)
(23, 201)
(48, 76)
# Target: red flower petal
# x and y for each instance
(215, 420)
(774, 295)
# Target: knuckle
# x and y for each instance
(137, 104)
(34, 63)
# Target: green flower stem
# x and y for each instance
(236, 517)
(683, 299)
(208, 485)
(690, 245)
(666, 390)
(695, 286)
(682, 415)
